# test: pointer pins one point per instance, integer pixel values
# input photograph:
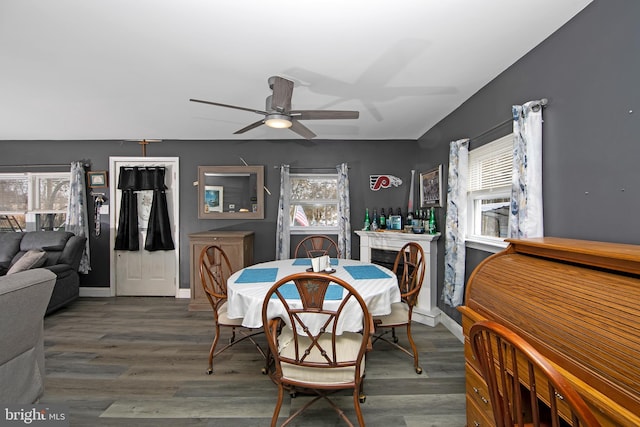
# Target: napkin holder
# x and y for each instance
(320, 263)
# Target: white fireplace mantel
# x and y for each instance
(426, 311)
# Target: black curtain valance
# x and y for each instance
(137, 178)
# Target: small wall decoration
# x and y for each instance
(431, 188)
(97, 179)
(213, 198)
(376, 182)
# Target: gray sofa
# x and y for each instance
(23, 300)
(63, 253)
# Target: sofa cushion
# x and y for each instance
(31, 259)
(52, 240)
(9, 247)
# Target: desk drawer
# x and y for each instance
(476, 417)
(477, 391)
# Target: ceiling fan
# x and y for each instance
(278, 113)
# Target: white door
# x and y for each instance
(144, 273)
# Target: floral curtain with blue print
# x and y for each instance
(282, 231)
(77, 217)
(455, 224)
(344, 212)
(526, 216)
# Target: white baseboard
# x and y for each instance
(452, 326)
(105, 292)
(95, 292)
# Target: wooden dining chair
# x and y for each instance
(215, 269)
(317, 245)
(524, 388)
(409, 267)
(309, 350)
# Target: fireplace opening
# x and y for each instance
(383, 257)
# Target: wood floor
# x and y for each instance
(141, 362)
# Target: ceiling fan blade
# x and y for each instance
(301, 130)
(324, 114)
(229, 106)
(249, 127)
(282, 91)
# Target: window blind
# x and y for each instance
(490, 166)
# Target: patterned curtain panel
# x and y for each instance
(456, 223)
(282, 232)
(77, 217)
(344, 212)
(525, 217)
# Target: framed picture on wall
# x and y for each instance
(97, 179)
(213, 198)
(431, 188)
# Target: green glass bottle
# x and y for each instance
(432, 221)
(367, 223)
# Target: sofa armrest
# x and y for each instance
(58, 269)
(72, 252)
(23, 299)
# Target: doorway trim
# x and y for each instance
(113, 216)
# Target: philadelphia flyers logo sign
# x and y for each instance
(376, 182)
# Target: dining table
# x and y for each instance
(247, 288)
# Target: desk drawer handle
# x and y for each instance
(476, 390)
(484, 399)
(476, 424)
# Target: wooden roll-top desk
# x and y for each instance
(578, 303)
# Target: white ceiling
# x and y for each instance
(125, 69)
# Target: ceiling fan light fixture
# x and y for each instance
(278, 121)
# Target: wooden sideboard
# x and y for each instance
(577, 302)
(238, 245)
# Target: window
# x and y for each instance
(314, 203)
(34, 201)
(490, 170)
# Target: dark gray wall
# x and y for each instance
(589, 71)
(363, 157)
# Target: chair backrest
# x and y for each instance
(215, 269)
(315, 246)
(507, 362)
(409, 267)
(314, 305)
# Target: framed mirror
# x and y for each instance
(230, 192)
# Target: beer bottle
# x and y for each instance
(383, 220)
(374, 223)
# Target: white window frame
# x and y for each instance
(479, 190)
(299, 230)
(33, 195)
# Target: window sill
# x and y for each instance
(313, 230)
(485, 244)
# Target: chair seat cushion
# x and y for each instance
(223, 317)
(399, 316)
(347, 348)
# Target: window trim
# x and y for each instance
(472, 239)
(299, 230)
(31, 213)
